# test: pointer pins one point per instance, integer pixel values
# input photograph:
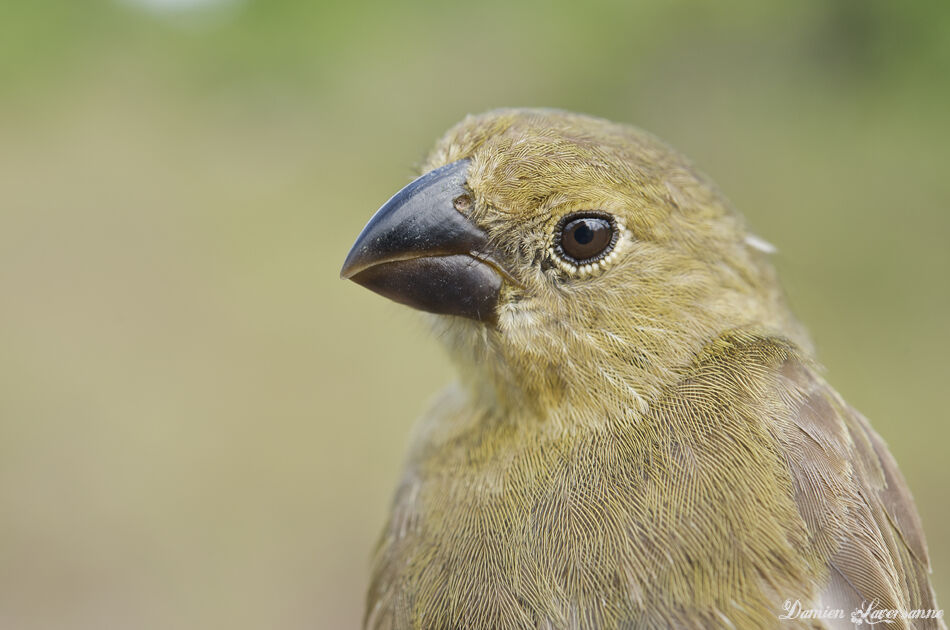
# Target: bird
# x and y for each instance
(640, 435)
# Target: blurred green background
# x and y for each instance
(201, 425)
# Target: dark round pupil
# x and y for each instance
(585, 238)
(583, 234)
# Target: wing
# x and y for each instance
(854, 501)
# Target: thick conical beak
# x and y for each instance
(419, 250)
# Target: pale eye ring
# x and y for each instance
(582, 238)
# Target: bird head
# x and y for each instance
(568, 258)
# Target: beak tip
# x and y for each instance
(351, 266)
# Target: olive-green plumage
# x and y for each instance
(645, 443)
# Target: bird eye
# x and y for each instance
(585, 237)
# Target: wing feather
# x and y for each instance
(856, 505)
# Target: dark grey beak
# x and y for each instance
(420, 251)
